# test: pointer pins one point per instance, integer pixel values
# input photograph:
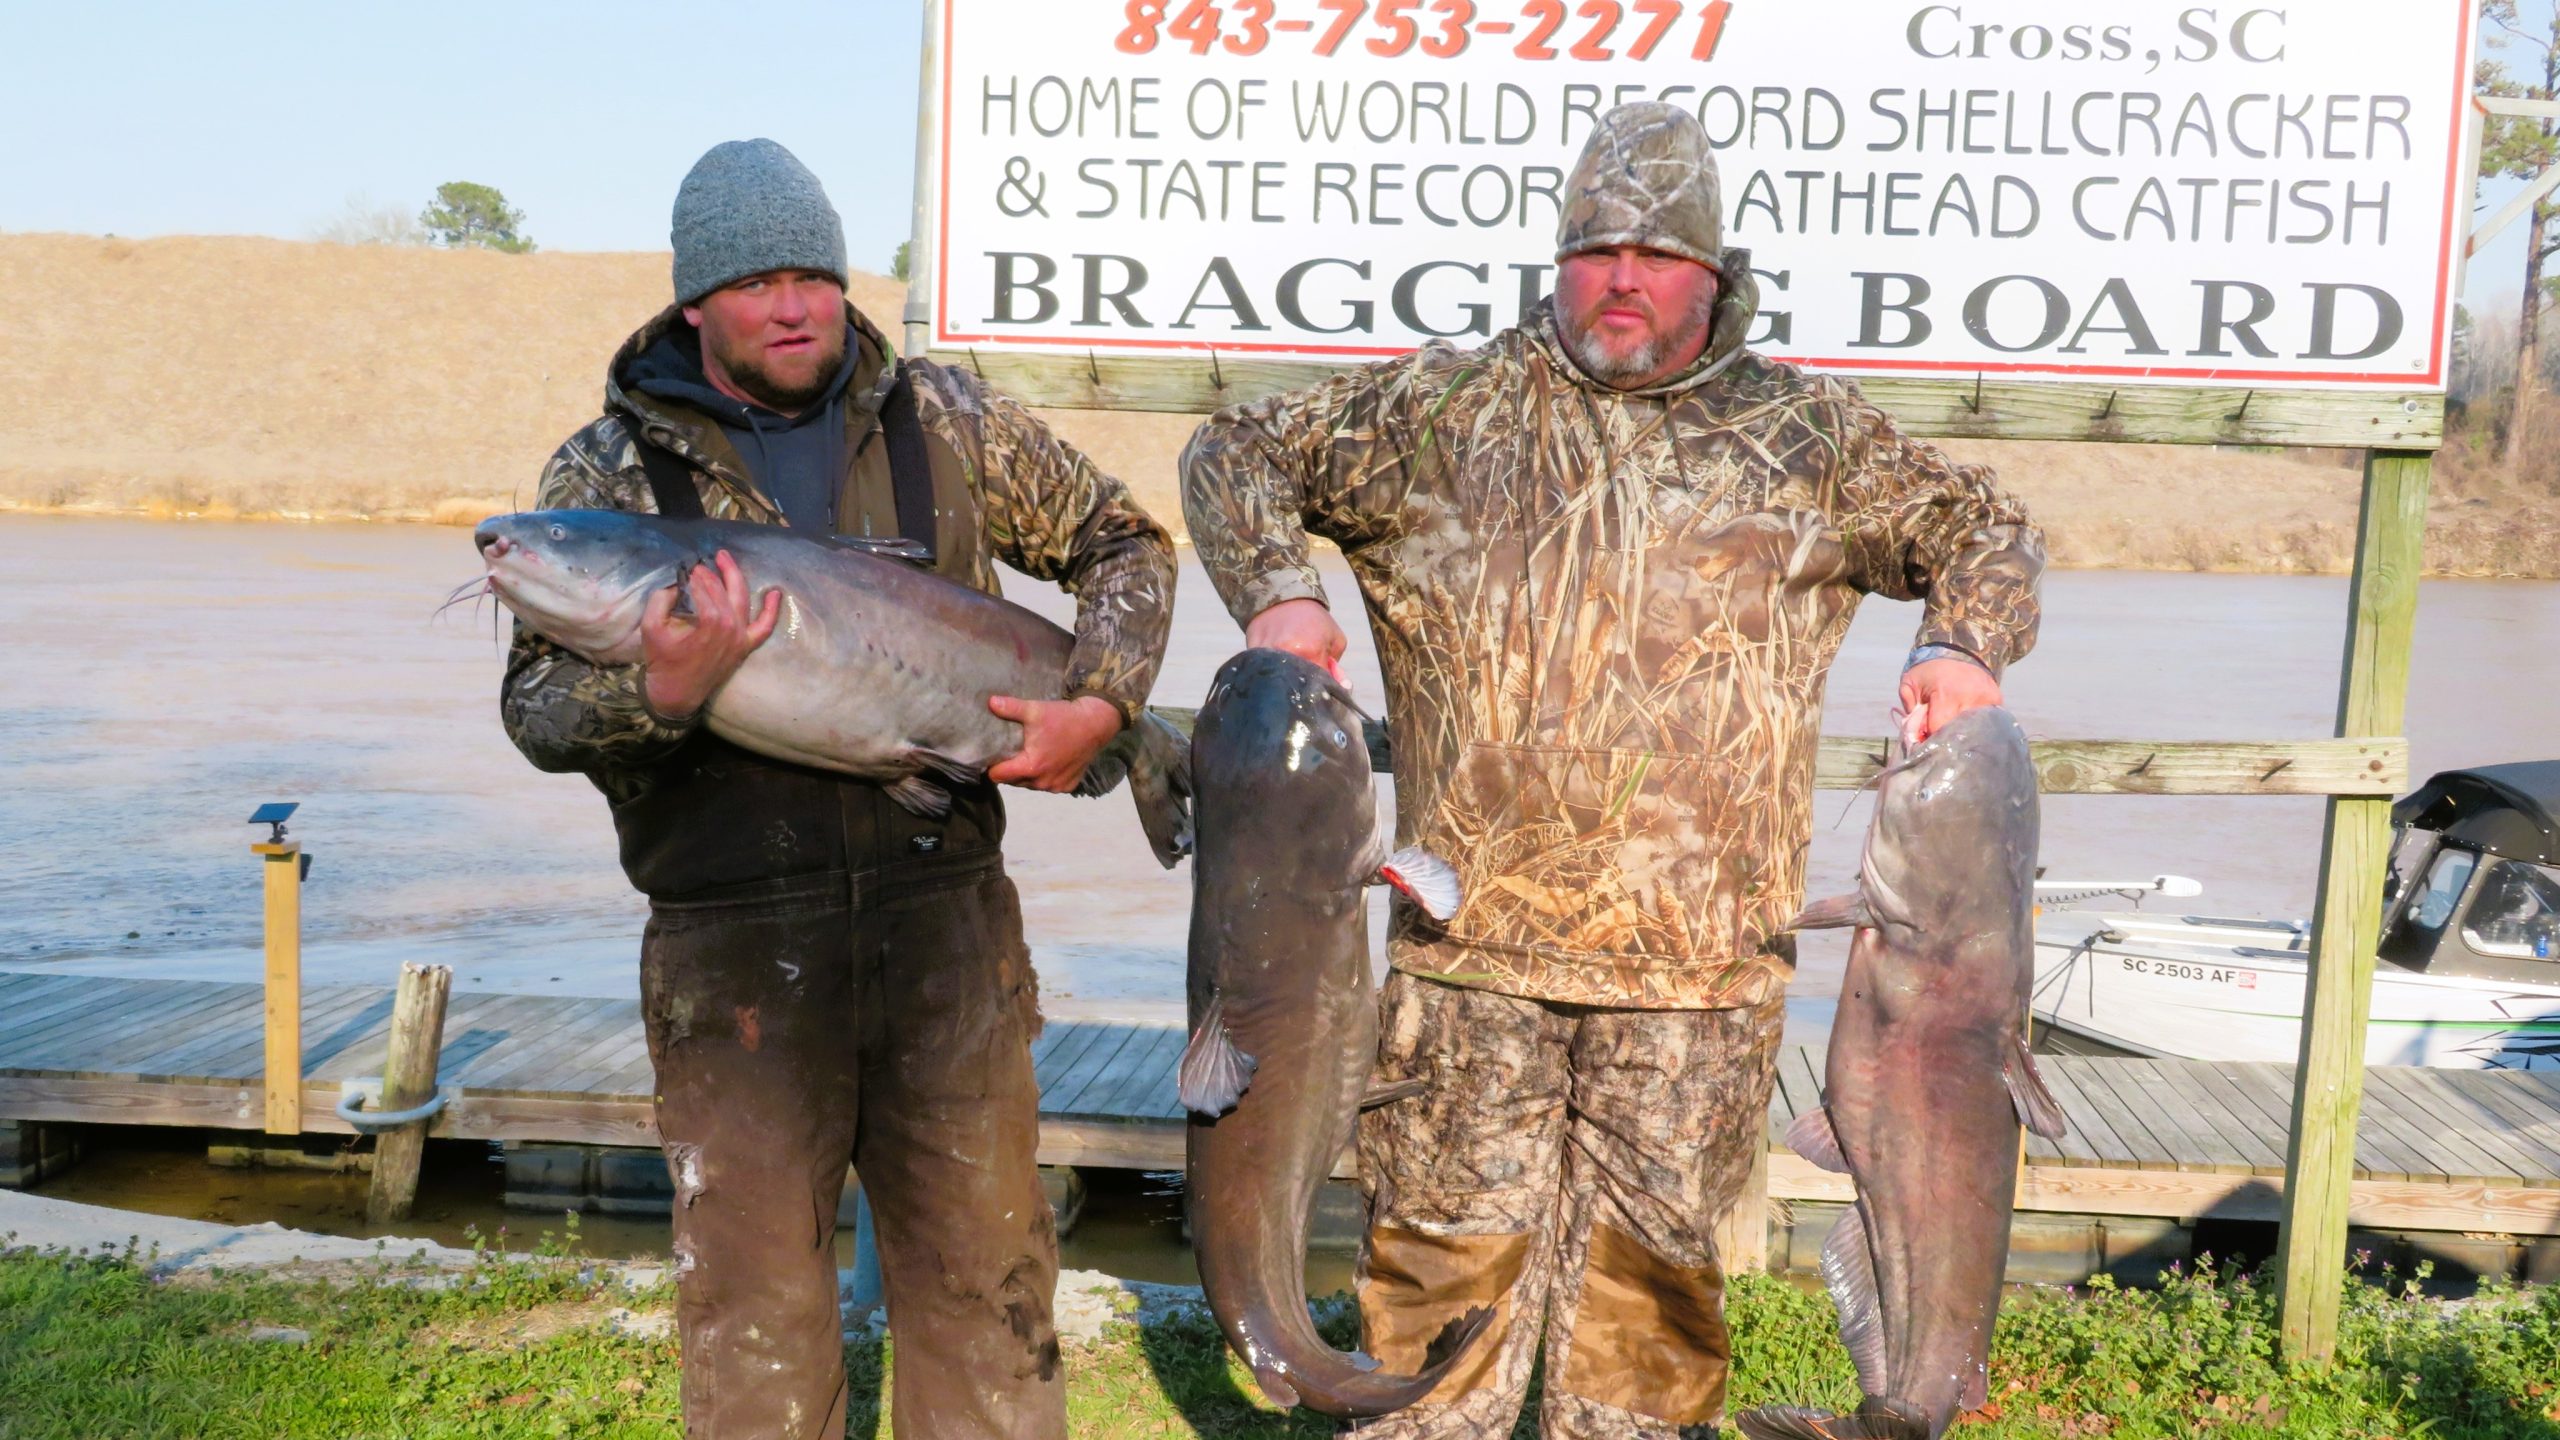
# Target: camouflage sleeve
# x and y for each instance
(1919, 526)
(1258, 477)
(563, 712)
(1053, 514)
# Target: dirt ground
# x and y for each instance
(235, 376)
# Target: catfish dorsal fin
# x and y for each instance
(1214, 1073)
(2037, 1109)
(1835, 913)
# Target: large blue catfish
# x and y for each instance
(875, 669)
(1927, 1081)
(1284, 1018)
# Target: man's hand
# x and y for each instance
(685, 660)
(1304, 628)
(1059, 738)
(1937, 691)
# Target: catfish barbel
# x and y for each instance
(875, 668)
(1927, 1080)
(1283, 1012)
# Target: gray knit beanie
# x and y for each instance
(746, 207)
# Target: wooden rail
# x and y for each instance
(2365, 766)
(1969, 407)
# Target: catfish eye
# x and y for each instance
(559, 532)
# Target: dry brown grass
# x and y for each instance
(229, 377)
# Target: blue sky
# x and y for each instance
(264, 117)
(268, 116)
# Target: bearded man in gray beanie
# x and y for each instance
(1609, 557)
(828, 975)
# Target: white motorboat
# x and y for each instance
(2467, 977)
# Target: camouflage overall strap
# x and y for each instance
(670, 481)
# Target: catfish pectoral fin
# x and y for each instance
(1795, 1422)
(1426, 880)
(922, 796)
(1810, 1135)
(1160, 784)
(2037, 1109)
(1214, 1073)
(948, 767)
(1393, 1091)
(1837, 913)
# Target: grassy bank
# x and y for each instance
(92, 1347)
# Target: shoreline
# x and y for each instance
(2285, 550)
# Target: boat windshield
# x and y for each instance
(2432, 905)
(2517, 912)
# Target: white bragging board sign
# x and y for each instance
(2133, 193)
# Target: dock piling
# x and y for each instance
(408, 1079)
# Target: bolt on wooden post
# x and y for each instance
(285, 865)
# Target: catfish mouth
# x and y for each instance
(569, 607)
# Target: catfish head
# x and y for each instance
(583, 578)
(1951, 852)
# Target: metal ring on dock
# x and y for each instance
(351, 1102)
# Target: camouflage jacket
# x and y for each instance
(1005, 488)
(1605, 619)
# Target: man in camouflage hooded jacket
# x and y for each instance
(827, 975)
(1608, 558)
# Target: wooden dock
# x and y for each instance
(2465, 1151)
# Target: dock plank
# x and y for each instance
(2447, 1154)
(106, 1004)
(576, 1062)
(2103, 1147)
(535, 1050)
(1068, 1098)
(2175, 1118)
(242, 1052)
(2241, 1139)
(108, 1042)
(2480, 1123)
(2149, 1150)
(1147, 1090)
(2266, 1135)
(26, 1002)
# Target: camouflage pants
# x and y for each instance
(1566, 1165)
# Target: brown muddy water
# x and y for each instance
(161, 680)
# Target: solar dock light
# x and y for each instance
(285, 867)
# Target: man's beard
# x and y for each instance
(1641, 362)
(750, 375)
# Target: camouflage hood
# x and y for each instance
(1647, 177)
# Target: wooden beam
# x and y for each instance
(1986, 407)
(283, 866)
(2505, 1208)
(2329, 1076)
(2363, 765)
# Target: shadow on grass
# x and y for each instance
(866, 1364)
